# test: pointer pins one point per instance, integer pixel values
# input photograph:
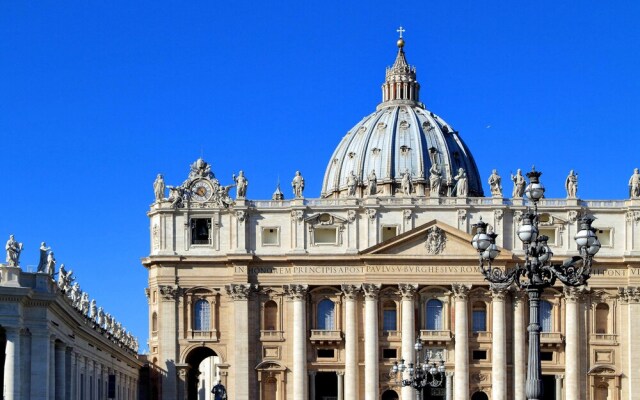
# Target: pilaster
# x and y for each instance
(298, 295)
(350, 375)
(572, 355)
(408, 292)
(461, 369)
(519, 345)
(371, 366)
(240, 294)
(499, 345)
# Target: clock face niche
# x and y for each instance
(201, 190)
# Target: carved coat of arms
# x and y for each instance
(436, 240)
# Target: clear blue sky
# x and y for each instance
(96, 98)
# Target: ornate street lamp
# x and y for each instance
(537, 272)
(429, 372)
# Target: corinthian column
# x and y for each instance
(499, 346)
(371, 379)
(408, 292)
(572, 360)
(461, 369)
(519, 345)
(298, 294)
(351, 342)
(631, 296)
(240, 294)
(12, 367)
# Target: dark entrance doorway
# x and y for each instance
(549, 385)
(390, 395)
(479, 396)
(195, 357)
(326, 386)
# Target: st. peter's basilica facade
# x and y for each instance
(316, 298)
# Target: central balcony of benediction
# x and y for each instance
(322, 336)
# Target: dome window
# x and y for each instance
(362, 129)
(352, 154)
(404, 125)
(427, 126)
(382, 126)
(375, 151)
(445, 129)
(404, 150)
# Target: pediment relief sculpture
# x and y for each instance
(325, 219)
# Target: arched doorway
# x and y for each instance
(479, 396)
(390, 395)
(202, 374)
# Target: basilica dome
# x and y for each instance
(400, 138)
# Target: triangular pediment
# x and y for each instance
(433, 239)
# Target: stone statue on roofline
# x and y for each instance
(462, 185)
(13, 249)
(495, 184)
(42, 264)
(519, 184)
(298, 185)
(571, 185)
(634, 184)
(241, 185)
(51, 265)
(158, 188)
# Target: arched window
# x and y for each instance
(479, 317)
(389, 316)
(546, 318)
(202, 311)
(271, 389)
(270, 316)
(602, 318)
(154, 322)
(326, 315)
(434, 315)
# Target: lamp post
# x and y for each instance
(429, 372)
(537, 272)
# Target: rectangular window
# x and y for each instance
(390, 353)
(270, 236)
(546, 356)
(325, 236)
(479, 354)
(479, 320)
(201, 231)
(605, 236)
(551, 234)
(388, 232)
(326, 353)
(389, 320)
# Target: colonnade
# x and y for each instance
(39, 366)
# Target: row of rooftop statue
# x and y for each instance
(220, 194)
(106, 323)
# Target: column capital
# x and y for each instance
(296, 292)
(460, 290)
(630, 294)
(407, 290)
(340, 373)
(371, 290)
(573, 294)
(240, 291)
(311, 373)
(351, 292)
(169, 292)
(497, 293)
